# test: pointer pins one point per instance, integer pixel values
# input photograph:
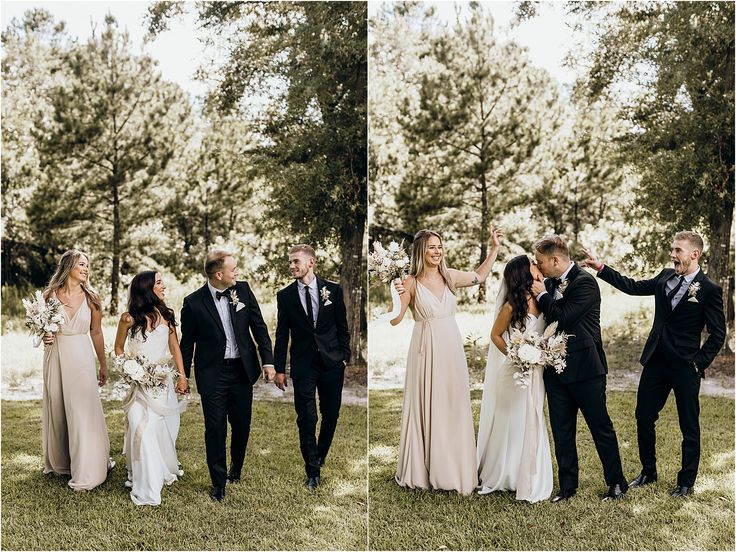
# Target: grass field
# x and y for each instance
(268, 510)
(646, 519)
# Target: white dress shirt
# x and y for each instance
(223, 309)
(672, 283)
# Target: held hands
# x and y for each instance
(591, 262)
(280, 381)
(182, 385)
(269, 373)
(48, 339)
(538, 286)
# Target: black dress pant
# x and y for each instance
(589, 397)
(657, 379)
(231, 400)
(328, 383)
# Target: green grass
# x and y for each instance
(646, 519)
(268, 510)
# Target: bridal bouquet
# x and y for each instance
(137, 370)
(529, 351)
(385, 265)
(43, 316)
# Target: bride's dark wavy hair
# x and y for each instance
(143, 304)
(518, 279)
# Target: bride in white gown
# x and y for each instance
(152, 417)
(513, 445)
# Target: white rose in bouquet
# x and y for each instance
(529, 353)
(393, 247)
(133, 369)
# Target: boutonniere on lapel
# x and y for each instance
(692, 292)
(563, 286)
(235, 301)
(325, 294)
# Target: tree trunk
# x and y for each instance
(484, 230)
(115, 274)
(352, 279)
(719, 260)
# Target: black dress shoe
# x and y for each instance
(312, 483)
(616, 491)
(564, 494)
(643, 479)
(681, 491)
(231, 478)
(217, 493)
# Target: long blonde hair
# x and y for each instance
(419, 249)
(67, 262)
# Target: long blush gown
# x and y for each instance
(437, 444)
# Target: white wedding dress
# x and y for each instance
(152, 426)
(513, 445)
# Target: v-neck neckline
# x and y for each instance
(66, 312)
(439, 299)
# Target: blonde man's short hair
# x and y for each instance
(694, 239)
(215, 261)
(303, 248)
(553, 245)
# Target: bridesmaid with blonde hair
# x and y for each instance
(75, 440)
(437, 443)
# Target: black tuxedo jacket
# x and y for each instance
(330, 338)
(678, 330)
(577, 313)
(203, 336)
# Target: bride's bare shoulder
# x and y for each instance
(126, 319)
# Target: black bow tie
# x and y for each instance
(220, 294)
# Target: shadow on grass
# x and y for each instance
(647, 518)
(269, 510)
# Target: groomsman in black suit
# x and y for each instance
(685, 302)
(312, 311)
(219, 323)
(571, 297)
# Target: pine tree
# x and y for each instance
(104, 146)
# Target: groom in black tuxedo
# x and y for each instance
(312, 312)
(219, 323)
(571, 297)
(685, 302)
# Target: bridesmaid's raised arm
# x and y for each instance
(502, 323)
(473, 278)
(409, 287)
(98, 342)
(126, 321)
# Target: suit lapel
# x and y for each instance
(684, 298)
(662, 292)
(574, 271)
(320, 306)
(232, 311)
(209, 304)
(298, 303)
